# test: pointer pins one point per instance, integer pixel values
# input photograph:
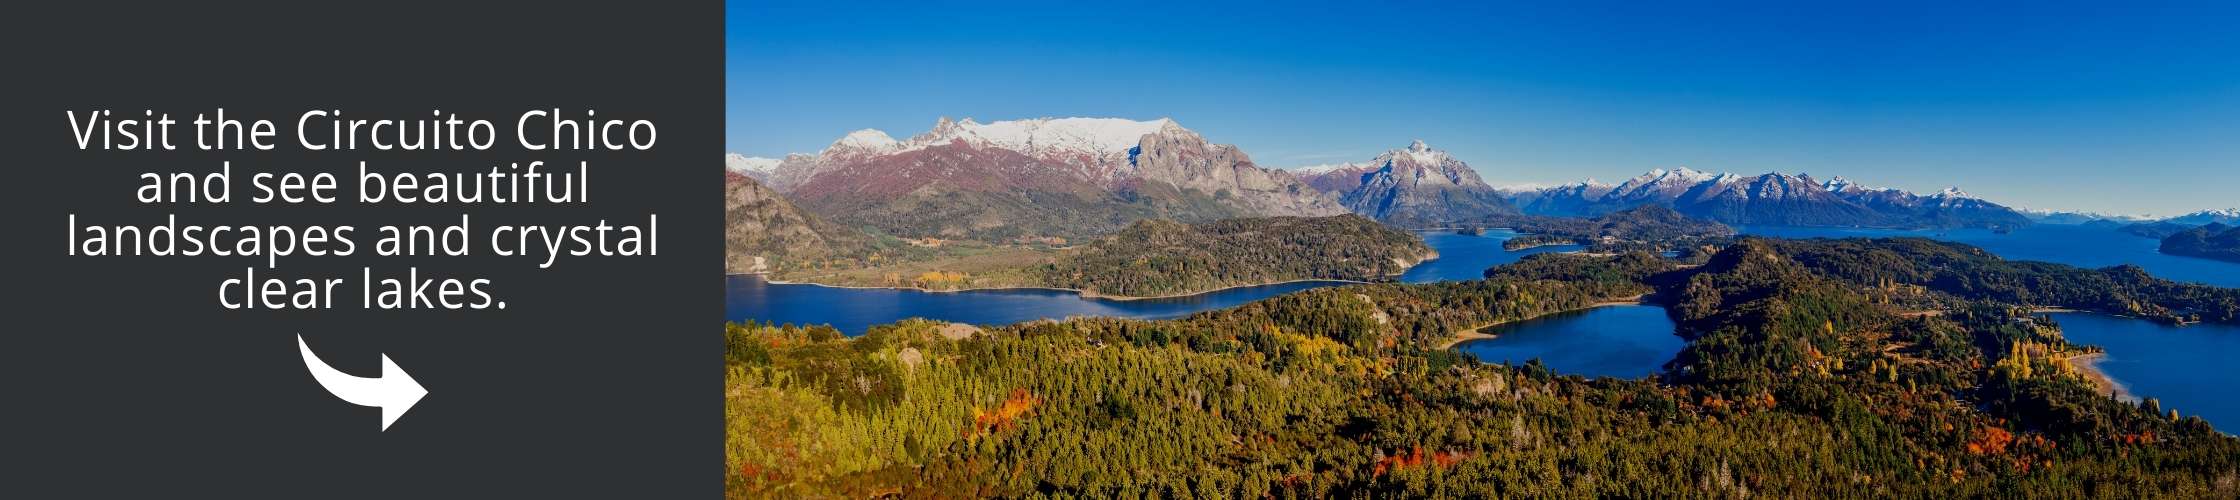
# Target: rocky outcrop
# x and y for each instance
(1183, 159)
(763, 232)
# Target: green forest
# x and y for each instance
(1158, 257)
(2211, 241)
(1810, 371)
(1152, 257)
(1650, 228)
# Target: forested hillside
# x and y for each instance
(1157, 257)
(1148, 258)
(1647, 227)
(1951, 274)
(1807, 375)
(2212, 241)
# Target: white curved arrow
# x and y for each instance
(394, 391)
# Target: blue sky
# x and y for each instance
(2089, 106)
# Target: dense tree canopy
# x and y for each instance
(1651, 228)
(1808, 374)
(1158, 257)
(2212, 241)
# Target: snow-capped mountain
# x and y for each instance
(1320, 169)
(1839, 184)
(1661, 184)
(754, 167)
(1773, 199)
(2229, 216)
(1334, 178)
(2064, 217)
(1413, 186)
(1094, 148)
(1049, 176)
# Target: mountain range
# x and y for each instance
(1771, 199)
(2229, 216)
(1062, 177)
(1019, 180)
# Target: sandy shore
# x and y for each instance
(1478, 332)
(2089, 366)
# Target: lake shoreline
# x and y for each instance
(2088, 366)
(1083, 294)
(1520, 248)
(1478, 332)
(1089, 295)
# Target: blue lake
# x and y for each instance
(853, 310)
(1464, 257)
(2187, 368)
(1614, 341)
(2073, 245)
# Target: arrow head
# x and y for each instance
(403, 392)
(394, 391)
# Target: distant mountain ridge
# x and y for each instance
(1066, 177)
(1082, 177)
(758, 169)
(1772, 199)
(2068, 217)
(1416, 187)
(2228, 216)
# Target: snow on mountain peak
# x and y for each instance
(1422, 154)
(1527, 187)
(1088, 135)
(1953, 192)
(742, 163)
(1839, 184)
(1692, 175)
(869, 138)
(1681, 175)
(1091, 136)
(1321, 169)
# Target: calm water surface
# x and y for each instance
(853, 310)
(1464, 257)
(2187, 368)
(1615, 341)
(1461, 257)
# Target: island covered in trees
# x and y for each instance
(1890, 368)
